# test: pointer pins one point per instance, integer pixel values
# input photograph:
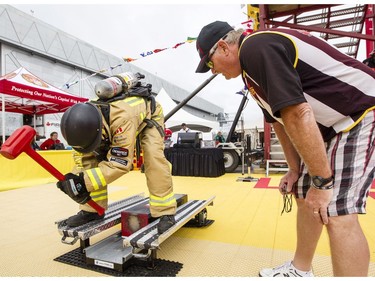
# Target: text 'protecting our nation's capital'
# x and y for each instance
(44, 95)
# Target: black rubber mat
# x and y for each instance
(135, 268)
(195, 223)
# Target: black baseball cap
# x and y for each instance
(207, 38)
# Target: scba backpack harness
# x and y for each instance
(117, 88)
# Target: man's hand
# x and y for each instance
(74, 186)
(287, 182)
(318, 201)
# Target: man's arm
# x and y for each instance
(45, 145)
(301, 127)
(290, 152)
(290, 178)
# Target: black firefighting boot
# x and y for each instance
(166, 222)
(83, 217)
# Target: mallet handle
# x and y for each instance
(44, 163)
(56, 173)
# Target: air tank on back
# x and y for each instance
(114, 85)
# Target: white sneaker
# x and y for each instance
(285, 270)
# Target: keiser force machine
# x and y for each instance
(138, 238)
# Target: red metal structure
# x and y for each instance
(344, 26)
(370, 28)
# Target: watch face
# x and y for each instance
(317, 181)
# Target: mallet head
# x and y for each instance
(18, 142)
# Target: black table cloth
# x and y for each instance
(199, 162)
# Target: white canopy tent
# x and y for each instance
(182, 116)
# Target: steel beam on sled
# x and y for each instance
(70, 235)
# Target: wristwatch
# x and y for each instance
(321, 183)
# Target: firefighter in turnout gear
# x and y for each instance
(103, 134)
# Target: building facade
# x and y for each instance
(62, 59)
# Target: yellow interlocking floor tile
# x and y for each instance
(248, 233)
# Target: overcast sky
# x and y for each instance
(128, 30)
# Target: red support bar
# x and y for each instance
(267, 140)
(322, 30)
(369, 28)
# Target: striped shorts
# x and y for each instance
(352, 159)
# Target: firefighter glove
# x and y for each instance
(74, 186)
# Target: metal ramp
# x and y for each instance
(115, 251)
(109, 253)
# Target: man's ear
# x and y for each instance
(222, 47)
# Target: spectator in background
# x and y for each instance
(34, 145)
(51, 143)
(167, 134)
(167, 138)
(235, 137)
(219, 138)
(370, 61)
(184, 128)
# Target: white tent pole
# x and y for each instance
(35, 126)
(3, 116)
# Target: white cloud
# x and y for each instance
(131, 29)
(126, 30)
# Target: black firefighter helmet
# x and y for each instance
(81, 126)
